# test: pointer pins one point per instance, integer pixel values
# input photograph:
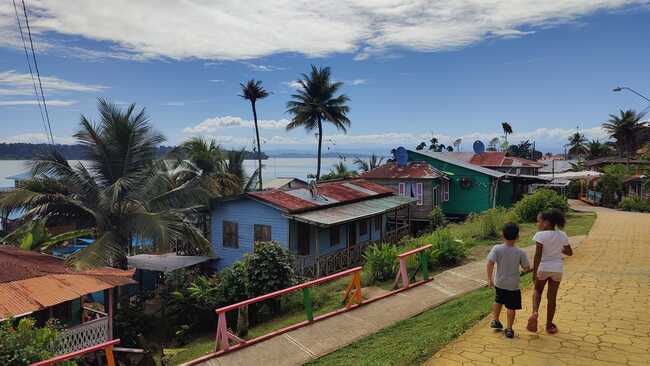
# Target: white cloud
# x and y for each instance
(217, 80)
(294, 84)
(13, 83)
(243, 30)
(50, 103)
(36, 138)
(357, 82)
(264, 68)
(216, 123)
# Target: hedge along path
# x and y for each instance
(602, 314)
(307, 343)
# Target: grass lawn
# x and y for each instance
(415, 340)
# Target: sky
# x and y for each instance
(412, 69)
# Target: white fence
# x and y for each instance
(83, 336)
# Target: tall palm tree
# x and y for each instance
(577, 144)
(370, 164)
(507, 130)
(254, 91)
(123, 193)
(316, 101)
(625, 129)
(597, 149)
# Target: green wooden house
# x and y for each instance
(470, 188)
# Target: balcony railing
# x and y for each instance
(84, 335)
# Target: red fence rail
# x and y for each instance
(106, 346)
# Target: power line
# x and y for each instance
(38, 74)
(31, 73)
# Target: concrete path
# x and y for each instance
(307, 343)
(603, 309)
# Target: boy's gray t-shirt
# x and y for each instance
(508, 259)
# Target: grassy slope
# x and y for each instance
(577, 224)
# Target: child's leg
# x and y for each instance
(551, 297)
(537, 294)
(496, 311)
(511, 318)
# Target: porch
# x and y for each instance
(331, 240)
(96, 330)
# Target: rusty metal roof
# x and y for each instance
(412, 170)
(353, 211)
(31, 281)
(494, 159)
(333, 193)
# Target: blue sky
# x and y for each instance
(412, 69)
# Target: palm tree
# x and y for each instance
(123, 193)
(370, 164)
(253, 91)
(507, 130)
(492, 145)
(597, 149)
(316, 101)
(457, 143)
(339, 171)
(625, 129)
(577, 145)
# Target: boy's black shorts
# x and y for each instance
(509, 298)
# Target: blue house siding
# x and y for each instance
(246, 213)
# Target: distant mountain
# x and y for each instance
(22, 151)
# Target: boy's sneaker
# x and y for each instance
(509, 333)
(495, 324)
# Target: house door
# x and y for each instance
(304, 231)
(352, 234)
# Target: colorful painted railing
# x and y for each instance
(352, 299)
(106, 347)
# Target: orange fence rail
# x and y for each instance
(106, 346)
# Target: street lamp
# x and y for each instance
(620, 88)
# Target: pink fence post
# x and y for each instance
(222, 340)
(403, 273)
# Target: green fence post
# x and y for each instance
(307, 301)
(424, 265)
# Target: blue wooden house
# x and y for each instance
(327, 226)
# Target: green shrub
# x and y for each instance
(437, 218)
(25, 343)
(270, 268)
(530, 206)
(380, 262)
(447, 250)
(487, 225)
(634, 204)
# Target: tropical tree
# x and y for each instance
(123, 193)
(34, 235)
(339, 171)
(597, 149)
(625, 129)
(577, 144)
(316, 101)
(507, 130)
(457, 143)
(370, 164)
(492, 144)
(254, 91)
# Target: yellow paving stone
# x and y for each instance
(603, 309)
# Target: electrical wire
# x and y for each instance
(31, 73)
(38, 74)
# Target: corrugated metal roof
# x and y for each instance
(447, 158)
(167, 262)
(494, 159)
(353, 211)
(414, 169)
(328, 194)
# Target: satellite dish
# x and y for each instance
(479, 147)
(401, 156)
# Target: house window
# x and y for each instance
(230, 234)
(402, 189)
(335, 236)
(419, 194)
(378, 222)
(261, 233)
(445, 191)
(363, 228)
(304, 234)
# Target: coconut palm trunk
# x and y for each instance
(259, 146)
(320, 146)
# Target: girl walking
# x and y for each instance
(548, 265)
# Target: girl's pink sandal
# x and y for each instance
(551, 329)
(532, 323)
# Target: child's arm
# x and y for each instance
(566, 250)
(490, 271)
(538, 258)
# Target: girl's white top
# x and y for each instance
(552, 241)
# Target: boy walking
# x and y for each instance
(507, 258)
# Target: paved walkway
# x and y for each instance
(307, 343)
(603, 307)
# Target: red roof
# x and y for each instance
(328, 194)
(494, 159)
(415, 169)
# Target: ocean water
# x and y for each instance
(273, 168)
